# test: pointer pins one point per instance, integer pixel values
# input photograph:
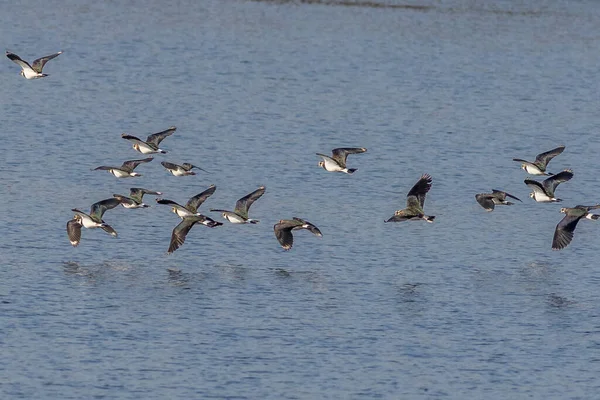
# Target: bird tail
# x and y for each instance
(162, 151)
(508, 203)
(592, 216)
(351, 170)
(429, 218)
(253, 221)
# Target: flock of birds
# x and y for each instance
(541, 191)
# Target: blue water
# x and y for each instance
(473, 306)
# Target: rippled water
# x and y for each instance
(475, 305)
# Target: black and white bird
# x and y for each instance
(240, 214)
(191, 207)
(180, 170)
(543, 192)
(490, 200)
(182, 229)
(337, 162)
(152, 142)
(563, 234)
(126, 169)
(135, 199)
(34, 70)
(414, 202)
(538, 167)
(91, 220)
(283, 230)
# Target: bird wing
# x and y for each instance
(18, 60)
(398, 218)
(200, 198)
(243, 205)
(180, 232)
(156, 138)
(171, 203)
(169, 165)
(485, 200)
(551, 183)
(188, 166)
(138, 193)
(74, 232)
(125, 199)
(104, 168)
(536, 186)
(588, 208)
(132, 164)
(341, 154)
(563, 234)
(504, 194)
(132, 138)
(38, 64)
(419, 190)
(98, 209)
(544, 158)
(109, 229)
(283, 232)
(308, 226)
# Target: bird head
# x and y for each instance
(322, 164)
(523, 166)
(563, 210)
(532, 195)
(173, 209)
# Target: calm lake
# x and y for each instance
(473, 306)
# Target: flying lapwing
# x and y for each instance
(91, 220)
(182, 229)
(34, 70)
(414, 202)
(152, 142)
(135, 198)
(283, 230)
(563, 234)
(240, 214)
(543, 192)
(180, 170)
(490, 200)
(191, 207)
(538, 167)
(337, 162)
(126, 169)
